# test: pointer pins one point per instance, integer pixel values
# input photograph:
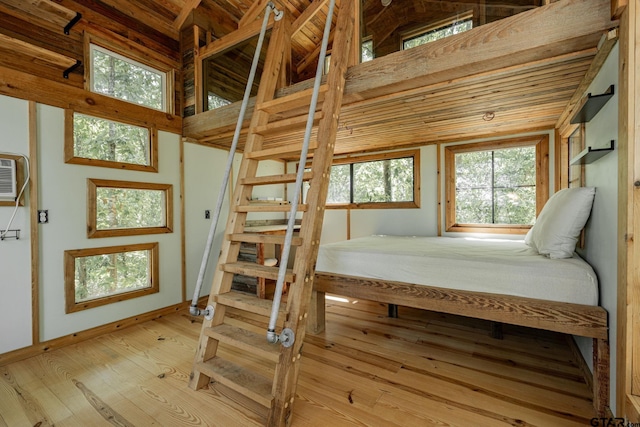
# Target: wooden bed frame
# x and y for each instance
(575, 319)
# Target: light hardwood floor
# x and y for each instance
(422, 369)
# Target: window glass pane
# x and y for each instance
(214, 101)
(439, 33)
(383, 181)
(101, 139)
(496, 187)
(125, 79)
(339, 184)
(367, 51)
(129, 208)
(109, 274)
(473, 206)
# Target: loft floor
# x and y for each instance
(364, 370)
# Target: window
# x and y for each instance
(97, 141)
(496, 186)
(367, 51)
(123, 208)
(389, 180)
(99, 276)
(576, 145)
(120, 77)
(437, 33)
(214, 101)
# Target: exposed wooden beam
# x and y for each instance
(230, 40)
(26, 86)
(37, 52)
(307, 15)
(617, 7)
(188, 7)
(254, 11)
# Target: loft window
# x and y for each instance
(100, 276)
(389, 180)
(120, 77)
(102, 142)
(123, 208)
(366, 54)
(437, 32)
(496, 186)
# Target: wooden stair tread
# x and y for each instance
(245, 340)
(293, 101)
(283, 151)
(244, 381)
(275, 239)
(274, 179)
(256, 270)
(285, 125)
(268, 207)
(246, 302)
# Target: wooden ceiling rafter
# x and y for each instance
(189, 6)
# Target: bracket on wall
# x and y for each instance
(66, 72)
(10, 234)
(73, 22)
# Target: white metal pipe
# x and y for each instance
(194, 310)
(277, 297)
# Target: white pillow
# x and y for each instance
(558, 226)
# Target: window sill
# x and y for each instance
(379, 205)
(486, 228)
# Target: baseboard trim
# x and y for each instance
(54, 344)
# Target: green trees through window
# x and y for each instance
(386, 180)
(128, 80)
(437, 33)
(496, 187)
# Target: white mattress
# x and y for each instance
(482, 265)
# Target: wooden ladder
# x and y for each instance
(273, 397)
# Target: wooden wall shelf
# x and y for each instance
(590, 154)
(591, 105)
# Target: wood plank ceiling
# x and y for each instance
(509, 96)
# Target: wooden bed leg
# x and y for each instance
(315, 322)
(601, 372)
(393, 311)
(496, 330)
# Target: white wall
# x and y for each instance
(600, 248)
(365, 222)
(204, 172)
(63, 191)
(15, 255)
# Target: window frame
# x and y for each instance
(69, 143)
(374, 158)
(92, 189)
(541, 143)
(440, 25)
(167, 73)
(71, 306)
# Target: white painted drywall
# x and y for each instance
(600, 248)
(15, 255)
(63, 191)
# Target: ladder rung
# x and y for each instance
(273, 239)
(285, 125)
(292, 101)
(268, 207)
(244, 381)
(245, 340)
(256, 270)
(247, 302)
(283, 151)
(274, 179)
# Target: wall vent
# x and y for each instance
(8, 183)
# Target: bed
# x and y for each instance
(539, 282)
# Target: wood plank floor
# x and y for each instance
(422, 369)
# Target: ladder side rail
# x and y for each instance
(194, 310)
(272, 337)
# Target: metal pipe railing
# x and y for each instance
(194, 310)
(288, 336)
